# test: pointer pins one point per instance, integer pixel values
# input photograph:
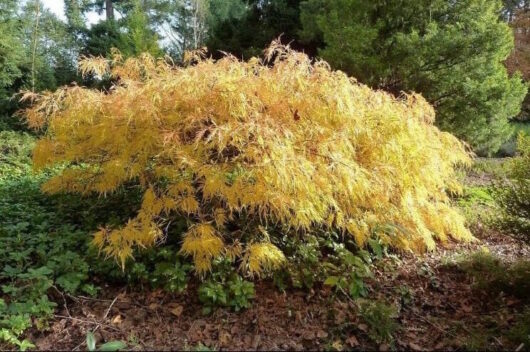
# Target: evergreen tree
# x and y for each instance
(37, 52)
(519, 59)
(73, 10)
(11, 50)
(50, 55)
(450, 51)
(131, 34)
(141, 38)
(262, 21)
(193, 22)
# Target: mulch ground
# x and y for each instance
(440, 311)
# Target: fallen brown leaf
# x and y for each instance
(352, 341)
(415, 347)
(321, 334)
(117, 320)
(337, 345)
(177, 311)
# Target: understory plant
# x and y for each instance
(514, 195)
(45, 252)
(39, 253)
(327, 259)
(224, 287)
(237, 148)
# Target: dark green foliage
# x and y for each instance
(509, 148)
(38, 251)
(47, 51)
(44, 244)
(326, 260)
(11, 50)
(131, 35)
(141, 38)
(514, 195)
(12, 57)
(102, 37)
(451, 52)
(225, 288)
(511, 7)
(159, 267)
(248, 34)
(380, 318)
(519, 333)
(493, 276)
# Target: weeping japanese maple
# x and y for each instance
(240, 147)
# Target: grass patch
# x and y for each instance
(491, 167)
(479, 207)
(520, 332)
(493, 276)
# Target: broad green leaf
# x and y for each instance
(90, 341)
(113, 346)
(331, 281)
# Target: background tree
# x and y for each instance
(246, 33)
(193, 22)
(519, 60)
(511, 7)
(132, 33)
(11, 50)
(37, 51)
(451, 52)
(141, 38)
(48, 45)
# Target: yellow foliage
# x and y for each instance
(285, 142)
(262, 258)
(202, 242)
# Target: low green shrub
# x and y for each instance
(479, 207)
(380, 318)
(519, 333)
(514, 195)
(330, 260)
(225, 288)
(39, 252)
(108, 346)
(492, 275)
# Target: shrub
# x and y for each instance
(240, 147)
(493, 275)
(514, 195)
(225, 288)
(380, 318)
(326, 259)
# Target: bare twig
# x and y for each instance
(98, 324)
(64, 300)
(433, 324)
(110, 307)
(87, 322)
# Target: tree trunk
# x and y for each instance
(34, 44)
(109, 9)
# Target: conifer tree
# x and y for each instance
(452, 52)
